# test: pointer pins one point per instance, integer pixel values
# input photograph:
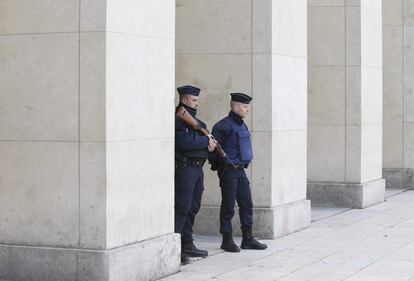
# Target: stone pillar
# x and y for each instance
(345, 103)
(256, 47)
(398, 34)
(83, 193)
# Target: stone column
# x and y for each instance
(345, 103)
(259, 48)
(84, 194)
(398, 34)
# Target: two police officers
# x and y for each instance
(234, 137)
(191, 152)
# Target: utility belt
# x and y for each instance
(181, 162)
(238, 166)
(195, 162)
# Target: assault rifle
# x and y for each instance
(183, 114)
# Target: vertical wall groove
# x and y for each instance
(79, 126)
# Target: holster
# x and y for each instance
(222, 170)
(220, 167)
(180, 163)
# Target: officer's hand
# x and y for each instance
(211, 145)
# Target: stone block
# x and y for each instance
(262, 73)
(40, 16)
(393, 49)
(263, 178)
(399, 178)
(371, 37)
(408, 46)
(93, 15)
(133, 179)
(39, 193)
(409, 97)
(326, 89)
(408, 178)
(25, 263)
(146, 260)
(326, 153)
(294, 42)
(92, 86)
(45, 106)
(353, 157)
(92, 206)
(371, 96)
(292, 217)
(408, 12)
(371, 153)
(354, 39)
(262, 27)
(143, 18)
(374, 5)
(347, 195)
(393, 145)
(134, 67)
(325, 3)
(392, 12)
(409, 145)
(326, 38)
(393, 177)
(288, 166)
(353, 95)
(288, 110)
(393, 99)
(214, 27)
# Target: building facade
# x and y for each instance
(87, 91)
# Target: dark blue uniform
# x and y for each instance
(191, 153)
(234, 136)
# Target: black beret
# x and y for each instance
(188, 90)
(240, 97)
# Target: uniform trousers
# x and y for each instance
(189, 188)
(235, 186)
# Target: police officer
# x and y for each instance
(234, 137)
(191, 151)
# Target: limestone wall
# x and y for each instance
(398, 40)
(345, 102)
(87, 140)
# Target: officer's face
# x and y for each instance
(242, 109)
(191, 101)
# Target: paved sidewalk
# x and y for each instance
(372, 244)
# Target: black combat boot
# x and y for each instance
(228, 244)
(190, 250)
(249, 242)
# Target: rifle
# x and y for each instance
(183, 114)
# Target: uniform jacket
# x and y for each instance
(234, 137)
(188, 142)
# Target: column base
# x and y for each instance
(399, 178)
(269, 223)
(142, 261)
(350, 195)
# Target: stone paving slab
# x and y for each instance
(375, 244)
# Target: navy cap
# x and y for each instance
(240, 97)
(188, 90)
